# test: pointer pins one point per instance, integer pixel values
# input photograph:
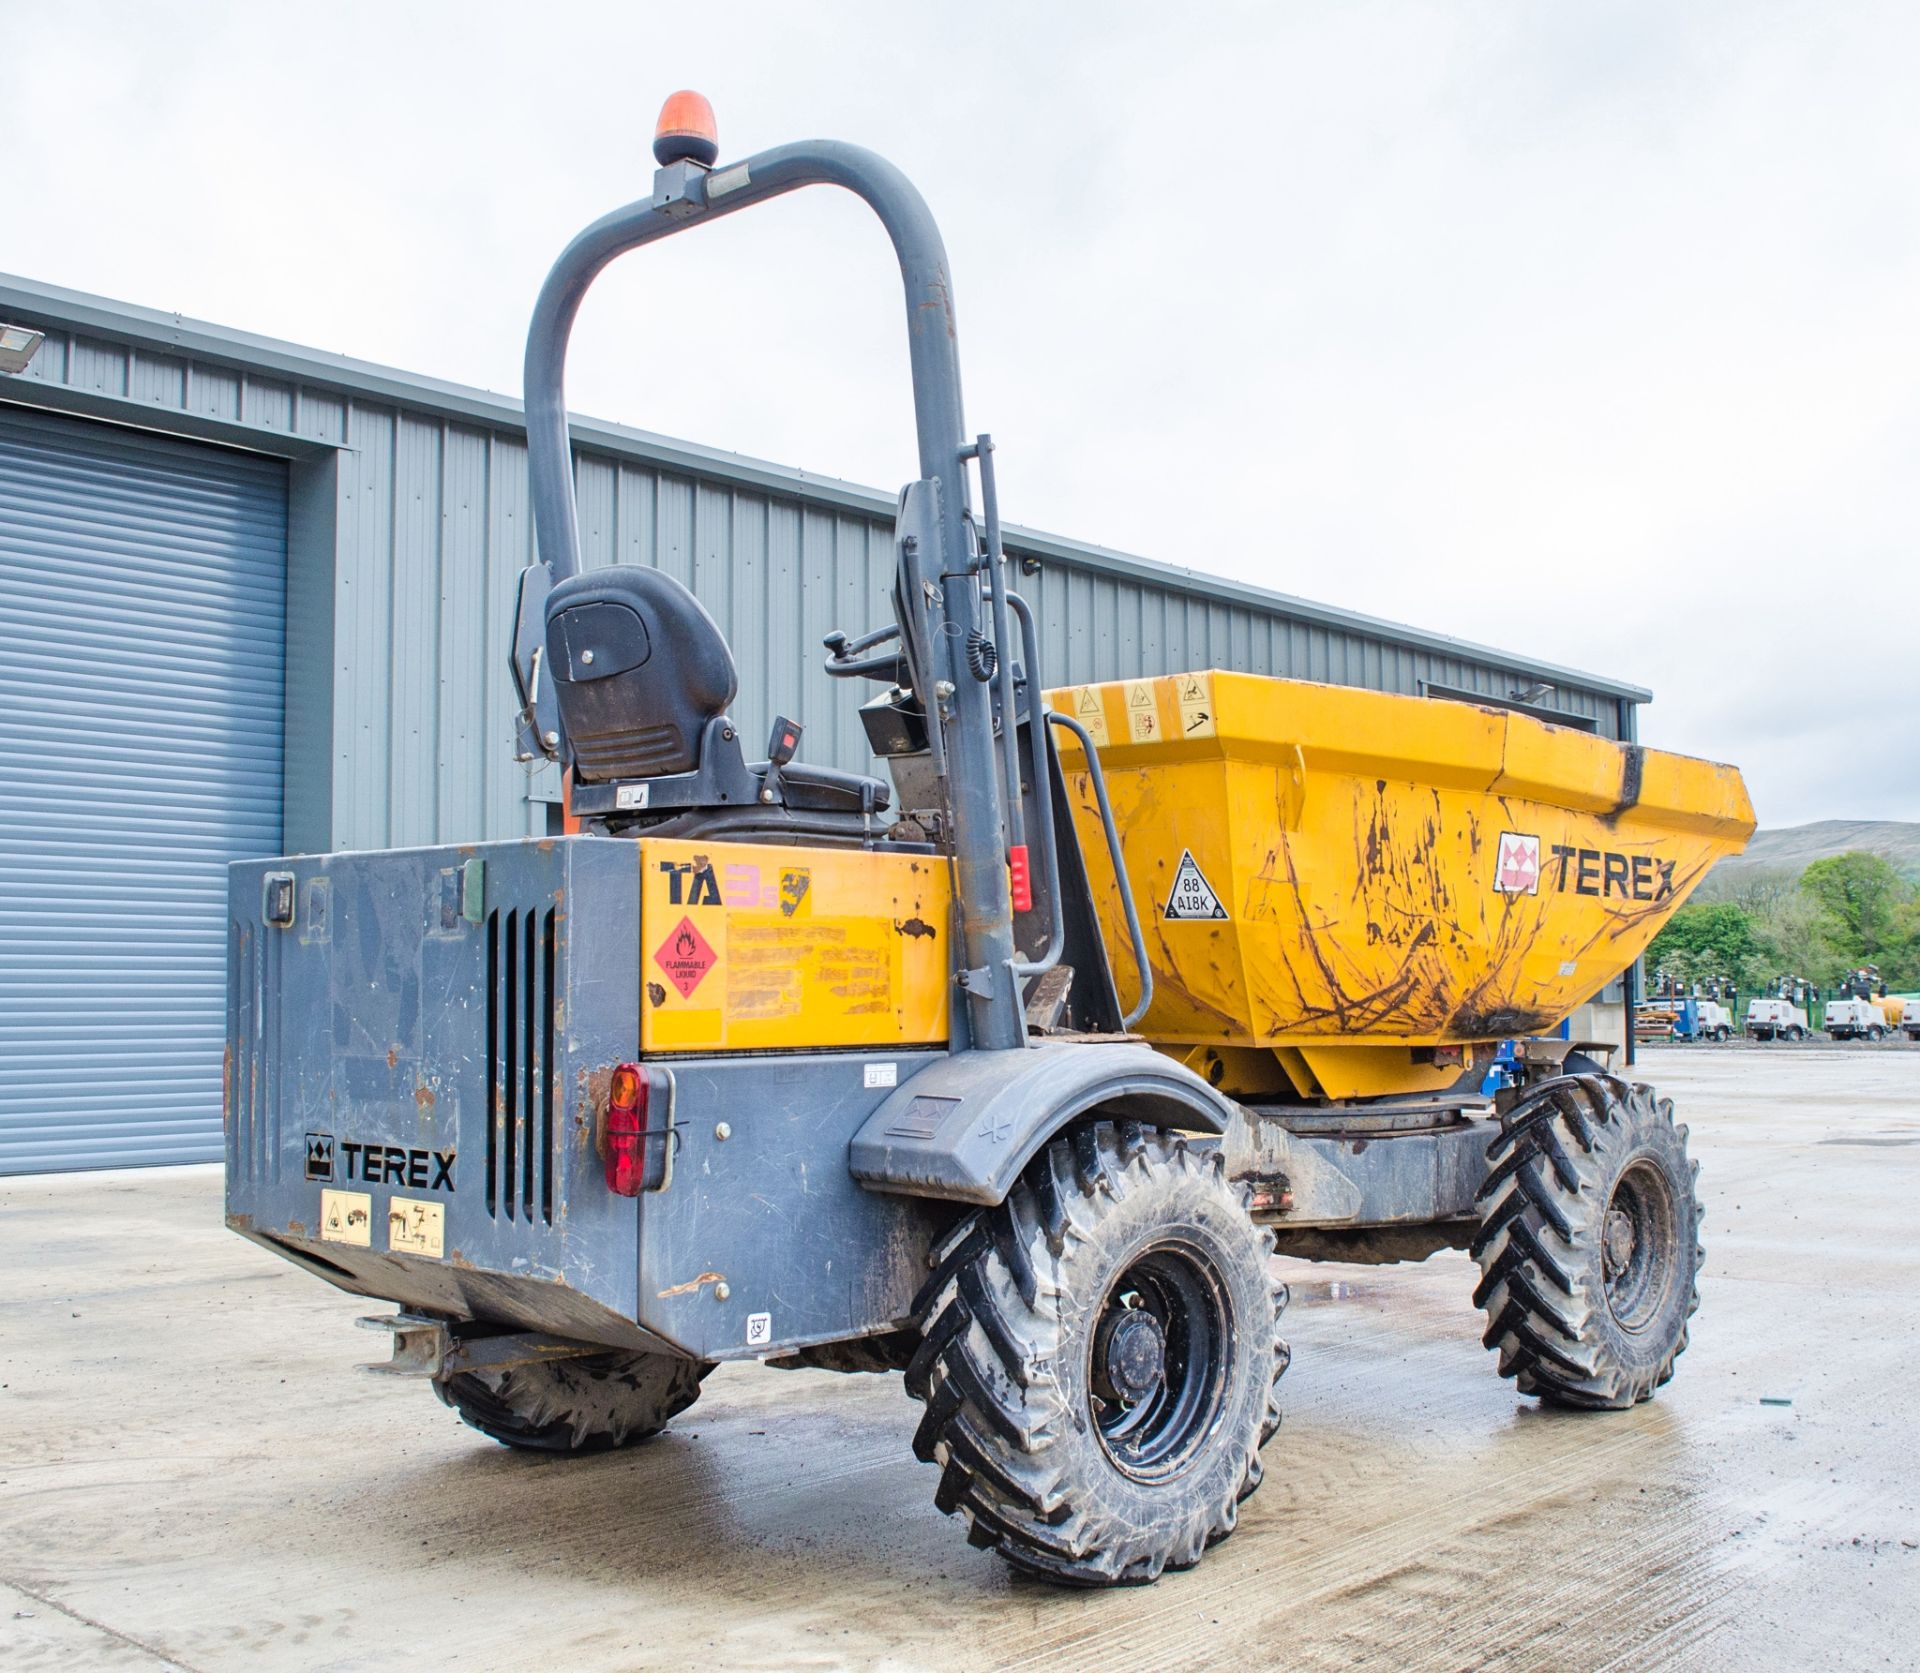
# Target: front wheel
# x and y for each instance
(1589, 1244)
(589, 1404)
(1876, 1035)
(1098, 1359)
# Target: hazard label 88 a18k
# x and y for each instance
(1191, 896)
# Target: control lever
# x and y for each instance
(846, 661)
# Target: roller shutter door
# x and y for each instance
(142, 709)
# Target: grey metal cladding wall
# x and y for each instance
(432, 535)
(1102, 627)
(430, 527)
(142, 611)
(778, 576)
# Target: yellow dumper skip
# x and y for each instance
(1340, 888)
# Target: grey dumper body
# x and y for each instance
(406, 1041)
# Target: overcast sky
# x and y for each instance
(1588, 330)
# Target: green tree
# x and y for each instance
(1864, 894)
(1715, 927)
(1900, 959)
(1796, 936)
(1837, 915)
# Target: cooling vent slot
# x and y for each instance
(520, 1000)
(253, 1050)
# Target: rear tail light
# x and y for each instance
(1020, 878)
(639, 1137)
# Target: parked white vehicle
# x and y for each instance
(1712, 1020)
(1776, 1019)
(1854, 1019)
(1910, 1020)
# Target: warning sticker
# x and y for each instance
(772, 963)
(685, 957)
(1143, 719)
(1195, 692)
(417, 1228)
(1192, 896)
(347, 1217)
(1085, 706)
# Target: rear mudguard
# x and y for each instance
(964, 1126)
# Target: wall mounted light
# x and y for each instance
(18, 345)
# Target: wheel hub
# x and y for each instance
(1617, 1242)
(1132, 1355)
(1639, 1261)
(1159, 1360)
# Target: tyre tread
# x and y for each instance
(995, 1408)
(1544, 1191)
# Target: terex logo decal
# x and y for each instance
(1518, 870)
(379, 1164)
(393, 1164)
(320, 1156)
(1580, 871)
(1600, 871)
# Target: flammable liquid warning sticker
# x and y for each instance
(417, 1228)
(1083, 703)
(1191, 896)
(685, 957)
(347, 1217)
(1195, 692)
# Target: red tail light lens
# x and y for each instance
(627, 1131)
(1020, 878)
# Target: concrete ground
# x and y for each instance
(191, 1475)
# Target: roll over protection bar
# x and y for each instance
(685, 194)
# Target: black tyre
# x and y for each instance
(1796, 1033)
(1723, 1034)
(576, 1405)
(1098, 1359)
(1876, 1035)
(1589, 1245)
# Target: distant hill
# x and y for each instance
(1797, 846)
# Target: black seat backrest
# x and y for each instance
(639, 668)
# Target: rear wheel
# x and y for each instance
(576, 1405)
(1589, 1243)
(1098, 1360)
(1876, 1035)
(1796, 1033)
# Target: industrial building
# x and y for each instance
(255, 599)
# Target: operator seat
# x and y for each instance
(643, 676)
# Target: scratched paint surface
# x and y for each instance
(1398, 869)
